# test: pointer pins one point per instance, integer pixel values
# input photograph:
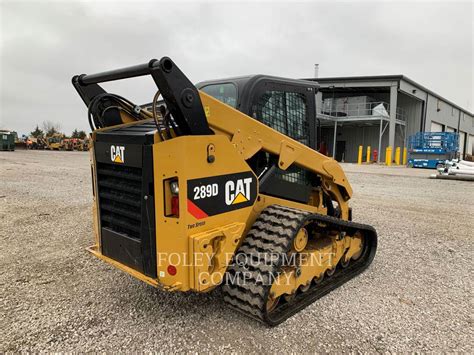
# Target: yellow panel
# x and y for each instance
(186, 158)
(211, 252)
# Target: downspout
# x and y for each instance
(425, 109)
(459, 137)
(459, 121)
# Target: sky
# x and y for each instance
(44, 43)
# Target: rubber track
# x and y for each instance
(247, 284)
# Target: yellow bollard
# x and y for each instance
(368, 154)
(388, 156)
(397, 156)
(405, 156)
(359, 157)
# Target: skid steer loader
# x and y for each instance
(221, 186)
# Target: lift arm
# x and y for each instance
(180, 95)
(250, 136)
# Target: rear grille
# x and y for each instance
(120, 190)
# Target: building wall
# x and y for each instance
(412, 90)
(452, 119)
(412, 99)
(441, 112)
(466, 124)
(414, 110)
(353, 136)
(445, 114)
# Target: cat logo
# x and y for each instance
(117, 154)
(238, 191)
(210, 196)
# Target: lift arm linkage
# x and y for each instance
(180, 95)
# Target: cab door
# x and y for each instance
(289, 109)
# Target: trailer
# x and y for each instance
(7, 140)
(432, 149)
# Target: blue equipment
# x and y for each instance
(428, 149)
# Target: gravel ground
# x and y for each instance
(416, 296)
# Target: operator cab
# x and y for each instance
(286, 105)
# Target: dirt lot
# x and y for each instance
(416, 296)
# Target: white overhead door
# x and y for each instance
(470, 145)
(436, 127)
(450, 129)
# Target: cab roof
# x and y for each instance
(246, 84)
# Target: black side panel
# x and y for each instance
(122, 248)
(126, 203)
(120, 198)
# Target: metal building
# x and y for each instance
(381, 111)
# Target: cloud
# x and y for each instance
(43, 44)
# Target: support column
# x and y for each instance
(334, 141)
(380, 142)
(393, 116)
(405, 140)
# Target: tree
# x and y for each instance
(37, 132)
(81, 134)
(51, 128)
(78, 134)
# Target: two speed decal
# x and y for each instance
(219, 194)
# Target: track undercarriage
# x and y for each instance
(292, 257)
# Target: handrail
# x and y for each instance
(359, 109)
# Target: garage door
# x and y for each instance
(436, 127)
(470, 146)
(450, 129)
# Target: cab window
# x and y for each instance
(226, 93)
(285, 112)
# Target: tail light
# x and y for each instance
(171, 198)
(175, 205)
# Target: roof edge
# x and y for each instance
(391, 77)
